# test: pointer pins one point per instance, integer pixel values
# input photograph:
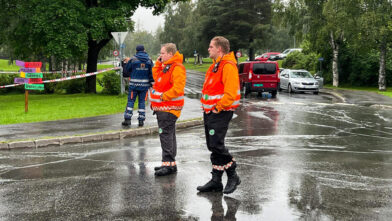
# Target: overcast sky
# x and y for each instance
(146, 21)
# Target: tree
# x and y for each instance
(376, 31)
(242, 22)
(332, 21)
(41, 28)
(177, 25)
(145, 38)
(106, 16)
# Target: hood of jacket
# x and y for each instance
(177, 58)
(142, 56)
(227, 57)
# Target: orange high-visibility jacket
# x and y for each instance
(221, 89)
(168, 90)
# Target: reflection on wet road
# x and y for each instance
(301, 157)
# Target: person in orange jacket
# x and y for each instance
(220, 97)
(167, 100)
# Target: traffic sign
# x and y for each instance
(21, 81)
(34, 86)
(115, 53)
(32, 64)
(30, 70)
(119, 37)
(34, 75)
(321, 59)
(238, 54)
(19, 63)
(35, 80)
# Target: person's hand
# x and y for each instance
(126, 59)
(160, 59)
(215, 111)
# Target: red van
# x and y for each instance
(259, 76)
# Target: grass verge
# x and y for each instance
(49, 107)
(369, 89)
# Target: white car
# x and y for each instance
(299, 81)
(288, 51)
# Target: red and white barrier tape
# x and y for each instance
(68, 78)
(45, 72)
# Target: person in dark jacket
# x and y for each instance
(140, 69)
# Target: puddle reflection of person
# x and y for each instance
(218, 212)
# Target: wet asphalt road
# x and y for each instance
(301, 157)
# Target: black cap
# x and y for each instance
(140, 48)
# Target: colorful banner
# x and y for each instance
(34, 86)
(21, 80)
(34, 75)
(30, 70)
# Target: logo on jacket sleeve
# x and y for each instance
(212, 132)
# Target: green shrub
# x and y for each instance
(7, 79)
(72, 86)
(110, 83)
(50, 88)
(298, 60)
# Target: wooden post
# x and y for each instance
(26, 101)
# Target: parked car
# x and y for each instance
(259, 76)
(272, 56)
(284, 54)
(298, 81)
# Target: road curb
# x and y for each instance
(333, 93)
(87, 138)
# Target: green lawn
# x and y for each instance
(49, 107)
(370, 89)
(104, 66)
(4, 66)
(57, 107)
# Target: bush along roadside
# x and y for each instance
(110, 83)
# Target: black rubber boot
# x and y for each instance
(215, 184)
(158, 168)
(233, 180)
(126, 122)
(166, 171)
(141, 123)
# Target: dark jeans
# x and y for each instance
(216, 126)
(131, 102)
(167, 135)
